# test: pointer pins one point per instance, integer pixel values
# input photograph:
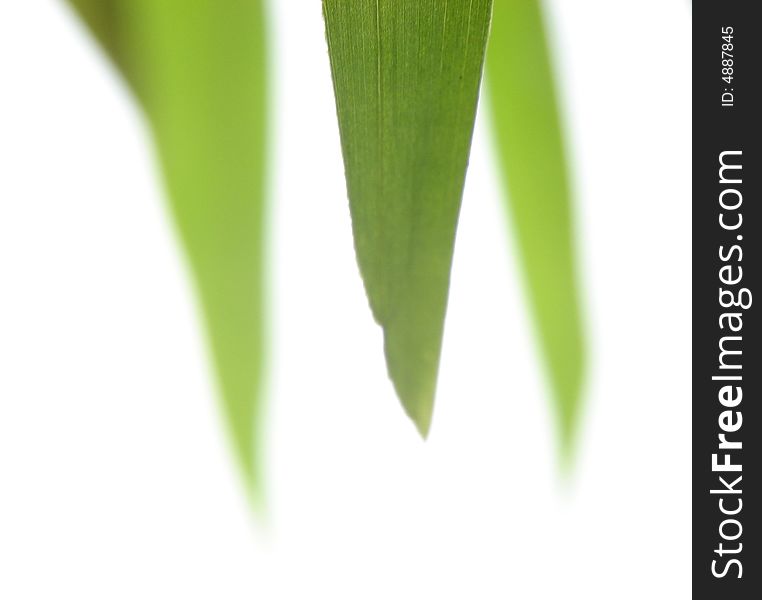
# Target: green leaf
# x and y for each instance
(199, 72)
(527, 127)
(406, 77)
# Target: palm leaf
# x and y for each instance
(406, 78)
(531, 152)
(199, 72)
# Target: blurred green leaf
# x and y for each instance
(406, 77)
(526, 121)
(199, 70)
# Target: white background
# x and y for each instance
(115, 477)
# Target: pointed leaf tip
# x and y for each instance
(406, 79)
(199, 71)
(533, 161)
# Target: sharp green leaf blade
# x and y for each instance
(531, 153)
(199, 71)
(406, 78)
